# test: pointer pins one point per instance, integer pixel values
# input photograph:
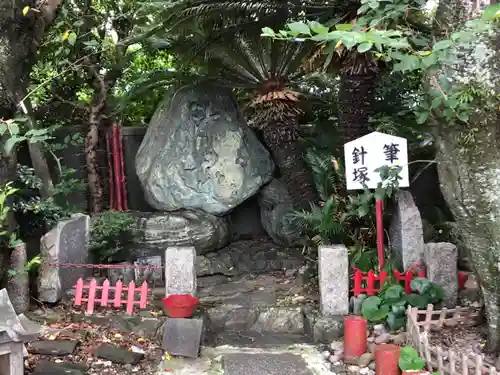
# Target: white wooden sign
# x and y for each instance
(372, 151)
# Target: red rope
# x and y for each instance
(82, 265)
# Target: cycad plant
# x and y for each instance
(224, 38)
(325, 222)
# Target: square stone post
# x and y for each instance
(333, 265)
(180, 270)
(441, 267)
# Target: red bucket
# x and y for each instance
(180, 305)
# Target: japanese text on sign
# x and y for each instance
(366, 154)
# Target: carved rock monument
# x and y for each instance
(199, 153)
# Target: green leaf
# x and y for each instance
(363, 210)
(463, 116)
(363, 8)
(409, 360)
(344, 27)
(408, 352)
(299, 28)
(11, 143)
(442, 45)
(72, 38)
(420, 285)
(407, 63)
(26, 9)
(318, 28)
(91, 43)
(492, 12)
(380, 193)
(422, 117)
(416, 300)
(394, 293)
(364, 47)
(372, 310)
(429, 60)
(396, 322)
(13, 129)
(436, 102)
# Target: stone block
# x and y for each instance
(152, 276)
(182, 337)
(441, 266)
(66, 243)
(119, 355)
(180, 270)
(406, 232)
(279, 319)
(45, 367)
(328, 328)
(125, 274)
(53, 347)
(333, 264)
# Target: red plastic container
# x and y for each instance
(386, 359)
(180, 305)
(355, 328)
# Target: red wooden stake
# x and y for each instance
(110, 171)
(117, 169)
(379, 206)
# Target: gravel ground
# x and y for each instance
(463, 339)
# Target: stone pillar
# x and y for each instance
(180, 270)
(333, 264)
(406, 232)
(66, 243)
(441, 266)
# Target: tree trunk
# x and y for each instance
(468, 158)
(19, 37)
(92, 162)
(18, 283)
(283, 140)
(356, 99)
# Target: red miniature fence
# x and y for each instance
(370, 283)
(131, 291)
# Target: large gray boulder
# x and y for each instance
(204, 231)
(275, 209)
(199, 153)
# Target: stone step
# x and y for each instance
(255, 339)
(255, 318)
(264, 363)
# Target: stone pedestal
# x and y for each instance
(182, 337)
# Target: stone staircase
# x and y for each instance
(265, 309)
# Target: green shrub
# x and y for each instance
(111, 232)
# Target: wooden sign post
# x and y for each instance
(366, 154)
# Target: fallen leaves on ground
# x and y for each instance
(90, 337)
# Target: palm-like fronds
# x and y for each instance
(326, 221)
(180, 16)
(328, 175)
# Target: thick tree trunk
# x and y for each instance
(19, 37)
(356, 99)
(283, 140)
(468, 158)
